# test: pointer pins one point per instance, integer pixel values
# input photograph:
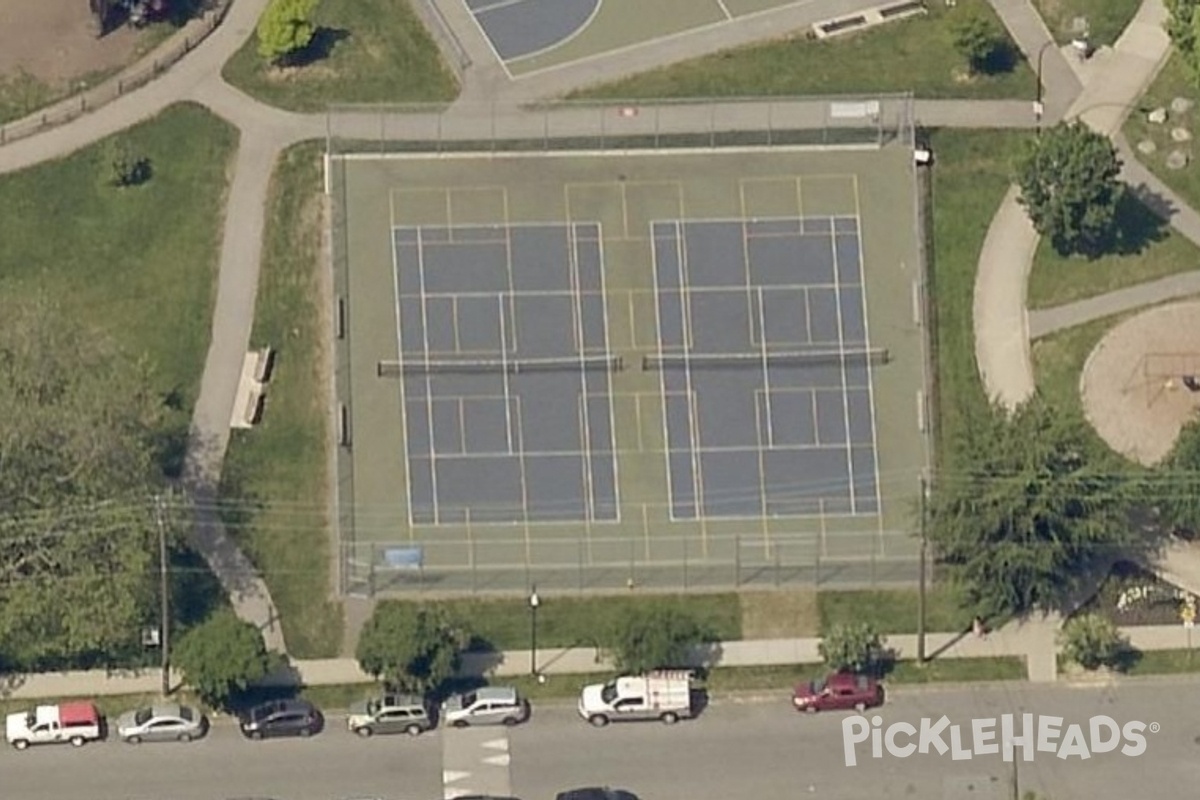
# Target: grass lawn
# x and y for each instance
(1165, 662)
(895, 611)
(1106, 19)
(970, 178)
(279, 470)
(1058, 361)
(1172, 82)
(503, 624)
(915, 55)
(137, 264)
(365, 51)
(1148, 249)
(779, 614)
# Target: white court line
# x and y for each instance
(862, 279)
(842, 346)
(497, 5)
(807, 317)
(512, 292)
(725, 10)
(612, 421)
(816, 422)
(686, 318)
(662, 381)
(800, 201)
(428, 379)
(746, 264)
(585, 431)
(408, 459)
(766, 368)
(508, 424)
(462, 425)
(491, 47)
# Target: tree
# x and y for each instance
(221, 657)
(645, 638)
(1177, 489)
(412, 650)
(128, 168)
(78, 471)
(1183, 26)
(1028, 512)
(1070, 187)
(285, 28)
(1092, 641)
(977, 38)
(852, 646)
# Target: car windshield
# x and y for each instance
(186, 714)
(373, 706)
(817, 686)
(142, 716)
(468, 700)
(609, 692)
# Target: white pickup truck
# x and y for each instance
(77, 723)
(665, 695)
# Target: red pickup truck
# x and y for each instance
(841, 690)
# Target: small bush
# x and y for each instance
(1092, 641)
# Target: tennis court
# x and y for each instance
(530, 36)
(631, 368)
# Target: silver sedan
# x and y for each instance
(164, 723)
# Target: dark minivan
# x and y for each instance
(281, 718)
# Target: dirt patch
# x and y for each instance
(782, 614)
(54, 42)
(1133, 386)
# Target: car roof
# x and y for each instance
(850, 679)
(596, 793)
(506, 693)
(166, 710)
(401, 700)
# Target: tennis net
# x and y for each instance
(394, 369)
(801, 358)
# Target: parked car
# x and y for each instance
(163, 723)
(840, 690)
(596, 793)
(663, 695)
(488, 705)
(77, 723)
(393, 713)
(282, 718)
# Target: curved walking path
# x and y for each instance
(488, 94)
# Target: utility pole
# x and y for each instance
(921, 576)
(164, 591)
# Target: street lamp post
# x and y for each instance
(534, 602)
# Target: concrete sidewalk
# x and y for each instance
(1033, 640)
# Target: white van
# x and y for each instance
(664, 695)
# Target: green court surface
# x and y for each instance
(646, 544)
(620, 24)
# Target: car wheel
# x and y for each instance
(811, 709)
(413, 730)
(305, 733)
(20, 744)
(185, 737)
(460, 723)
(134, 740)
(510, 721)
(78, 741)
(860, 707)
(256, 735)
(598, 720)
(364, 732)
(670, 718)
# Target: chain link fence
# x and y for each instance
(141, 73)
(832, 121)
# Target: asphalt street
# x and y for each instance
(734, 750)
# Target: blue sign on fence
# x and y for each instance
(403, 557)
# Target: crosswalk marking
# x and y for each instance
(501, 760)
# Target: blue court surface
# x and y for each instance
(518, 28)
(506, 374)
(766, 369)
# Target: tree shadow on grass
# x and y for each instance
(321, 46)
(1138, 226)
(1000, 61)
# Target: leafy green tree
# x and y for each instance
(285, 28)
(852, 646)
(78, 472)
(221, 657)
(1092, 641)
(1177, 487)
(1183, 26)
(645, 638)
(412, 650)
(1070, 187)
(977, 38)
(1029, 511)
